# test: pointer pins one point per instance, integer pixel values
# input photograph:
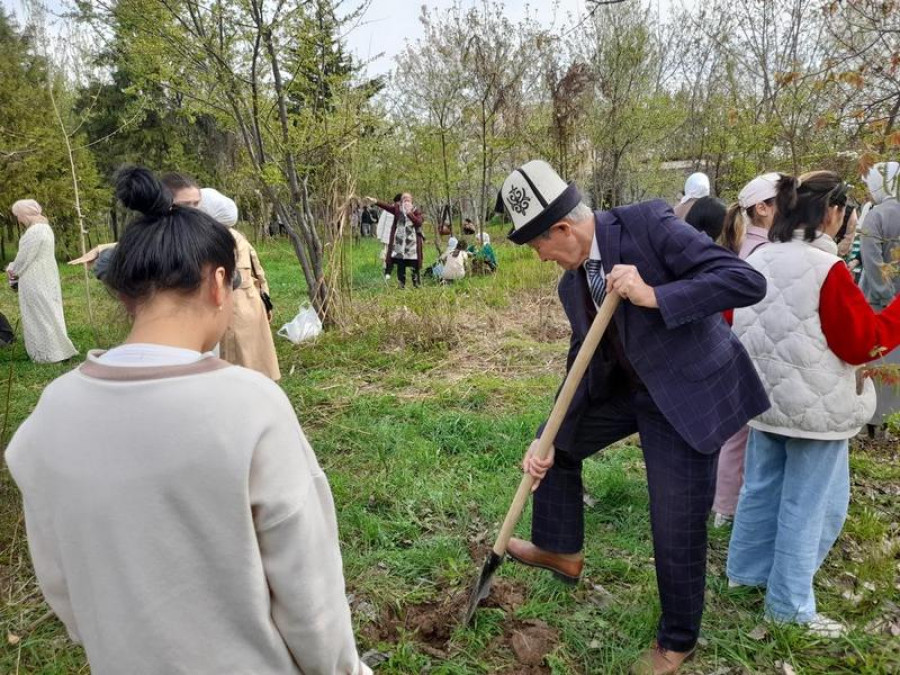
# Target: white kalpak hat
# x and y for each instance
(535, 197)
(759, 190)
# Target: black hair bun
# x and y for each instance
(786, 197)
(140, 190)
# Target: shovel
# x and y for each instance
(483, 587)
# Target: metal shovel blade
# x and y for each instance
(483, 588)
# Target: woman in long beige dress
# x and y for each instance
(40, 295)
(248, 341)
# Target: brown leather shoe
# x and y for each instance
(659, 661)
(565, 568)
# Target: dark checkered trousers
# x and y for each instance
(681, 484)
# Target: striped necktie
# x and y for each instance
(596, 280)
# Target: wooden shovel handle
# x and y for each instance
(573, 379)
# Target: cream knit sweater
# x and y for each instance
(179, 523)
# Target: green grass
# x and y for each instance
(419, 405)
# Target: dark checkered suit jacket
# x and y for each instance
(694, 367)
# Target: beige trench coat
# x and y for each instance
(248, 341)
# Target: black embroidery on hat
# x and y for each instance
(534, 189)
(519, 200)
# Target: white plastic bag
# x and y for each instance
(305, 326)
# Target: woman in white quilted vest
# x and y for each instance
(807, 339)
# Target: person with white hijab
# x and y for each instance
(695, 187)
(40, 295)
(879, 247)
(881, 234)
(248, 340)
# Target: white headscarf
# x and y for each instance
(28, 212)
(696, 186)
(882, 180)
(484, 238)
(759, 190)
(451, 244)
(213, 203)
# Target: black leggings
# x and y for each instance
(401, 271)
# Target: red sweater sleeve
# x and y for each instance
(853, 330)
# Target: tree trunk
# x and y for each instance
(310, 256)
(483, 194)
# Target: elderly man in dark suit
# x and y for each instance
(668, 368)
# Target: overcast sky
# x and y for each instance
(387, 24)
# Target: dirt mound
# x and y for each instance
(506, 595)
(531, 641)
(434, 622)
(478, 550)
(386, 628)
(526, 641)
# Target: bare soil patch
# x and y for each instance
(531, 641)
(526, 642)
(505, 595)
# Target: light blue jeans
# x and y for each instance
(790, 512)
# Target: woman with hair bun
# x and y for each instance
(197, 533)
(807, 339)
(248, 340)
(35, 275)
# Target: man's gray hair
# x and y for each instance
(581, 212)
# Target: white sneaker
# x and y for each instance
(721, 520)
(822, 626)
